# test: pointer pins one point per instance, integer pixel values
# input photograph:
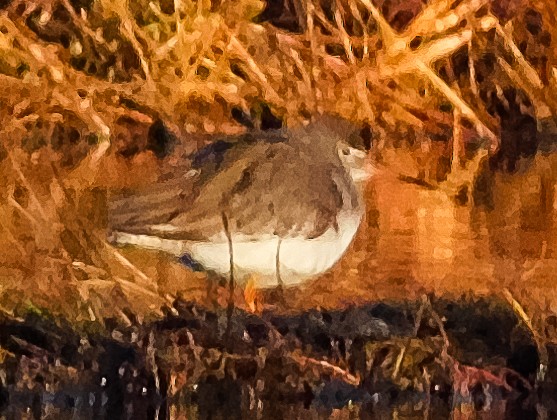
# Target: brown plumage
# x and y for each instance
(288, 183)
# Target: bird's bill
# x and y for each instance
(362, 174)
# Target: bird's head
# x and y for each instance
(351, 142)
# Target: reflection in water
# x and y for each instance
(416, 240)
(407, 405)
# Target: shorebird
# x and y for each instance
(281, 205)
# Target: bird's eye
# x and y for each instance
(345, 151)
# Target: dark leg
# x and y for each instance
(231, 282)
(280, 286)
(277, 264)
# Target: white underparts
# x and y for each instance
(300, 259)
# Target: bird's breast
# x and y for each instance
(296, 258)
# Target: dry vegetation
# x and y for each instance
(89, 88)
(82, 83)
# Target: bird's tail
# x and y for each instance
(135, 211)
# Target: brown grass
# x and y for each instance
(73, 75)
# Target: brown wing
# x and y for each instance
(190, 202)
(267, 188)
(132, 210)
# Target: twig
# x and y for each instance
(541, 108)
(517, 308)
(456, 140)
(392, 41)
(446, 343)
(28, 215)
(437, 18)
(305, 76)
(129, 29)
(425, 20)
(144, 279)
(27, 185)
(463, 107)
(134, 287)
(83, 24)
(530, 74)
(277, 263)
(358, 16)
(362, 93)
(472, 70)
(330, 368)
(152, 362)
(398, 362)
(427, 388)
(344, 35)
(310, 7)
(417, 181)
(542, 349)
(236, 46)
(419, 316)
(320, 15)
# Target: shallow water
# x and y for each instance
(416, 240)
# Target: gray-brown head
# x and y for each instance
(334, 138)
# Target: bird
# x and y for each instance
(281, 206)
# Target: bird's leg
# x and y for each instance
(280, 285)
(231, 282)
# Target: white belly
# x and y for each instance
(299, 259)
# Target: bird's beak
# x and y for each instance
(362, 174)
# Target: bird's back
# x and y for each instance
(274, 187)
